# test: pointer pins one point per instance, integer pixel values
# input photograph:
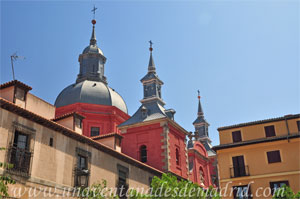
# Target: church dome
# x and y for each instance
(91, 92)
(91, 85)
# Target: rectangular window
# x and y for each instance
(270, 131)
(51, 142)
(122, 181)
(278, 184)
(82, 162)
(20, 94)
(95, 131)
(273, 156)
(239, 168)
(298, 125)
(177, 157)
(241, 192)
(78, 122)
(19, 153)
(236, 136)
(81, 171)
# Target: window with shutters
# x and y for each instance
(273, 156)
(236, 136)
(239, 168)
(270, 131)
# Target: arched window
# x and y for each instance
(202, 176)
(143, 153)
(177, 157)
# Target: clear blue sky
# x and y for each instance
(242, 55)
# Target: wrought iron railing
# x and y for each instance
(20, 159)
(81, 177)
(239, 171)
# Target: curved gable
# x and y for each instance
(200, 148)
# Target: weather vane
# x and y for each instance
(94, 11)
(198, 94)
(13, 58)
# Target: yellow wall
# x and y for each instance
(255, 157)
(252, 132)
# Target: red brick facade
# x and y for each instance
(107, 118)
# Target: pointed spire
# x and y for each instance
(200, 111)
(93, 40)
(151, 66)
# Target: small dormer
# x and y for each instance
(15, 92)
(112, 140)
(71, 120)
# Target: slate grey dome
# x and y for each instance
(91, 92)
(91, 85)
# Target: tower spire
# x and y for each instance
(200, 111)
(92, 60)
(151, 66)
(93, 40)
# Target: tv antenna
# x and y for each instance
(13, 58)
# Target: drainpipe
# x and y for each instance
(287, 127)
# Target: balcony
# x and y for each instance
(236, 172)
(20, 159)
(81, 177)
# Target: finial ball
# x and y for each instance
(93, 21)
(199, 97)
(151, 49)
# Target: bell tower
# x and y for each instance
(200, 124)
(151, 83)
(92, 61)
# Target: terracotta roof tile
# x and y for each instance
(15, 82)
(68, 115)
(107, 135)
(259, 122)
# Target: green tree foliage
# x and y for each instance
(169, 187)
(297, 196)
(285, 192)
(5, 180)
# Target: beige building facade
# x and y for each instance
(52, 154)
(258, 157)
